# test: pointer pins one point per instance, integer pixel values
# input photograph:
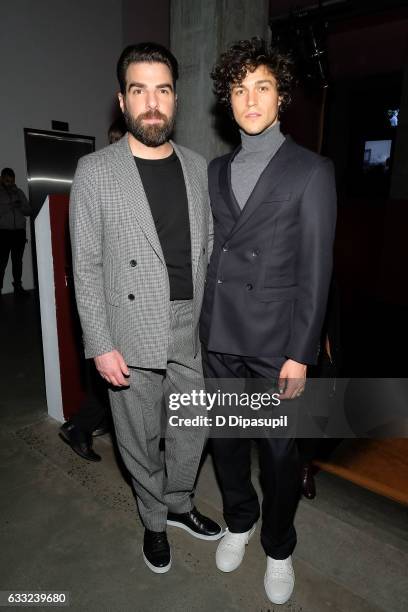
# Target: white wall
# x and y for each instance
(58, 62)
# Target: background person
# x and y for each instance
(14, 208)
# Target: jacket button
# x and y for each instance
(131, 297)
(133, 263)
(225, 249)
(255, 253)
(220, 281)
(203, 250)
(249, 287)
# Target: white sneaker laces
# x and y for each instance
(234, 540)
(280, 569)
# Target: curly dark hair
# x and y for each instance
(248, 55)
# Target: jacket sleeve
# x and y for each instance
(212, 173)
(86, 230)
(317, 223)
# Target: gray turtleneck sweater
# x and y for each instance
(248, 165)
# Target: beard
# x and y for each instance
(150, 135)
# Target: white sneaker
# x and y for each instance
(231, 550)
(279, 579)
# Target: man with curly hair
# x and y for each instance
(274, 207)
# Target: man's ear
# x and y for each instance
(121, 101)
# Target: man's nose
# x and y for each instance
(152, 100)
(252, 97)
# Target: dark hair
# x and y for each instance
(8, 172)
(248, 55)
(145, 52)
(117, 129)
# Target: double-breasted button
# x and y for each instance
(133, 263)
(255, 253)
(131, 297)
(249, 287)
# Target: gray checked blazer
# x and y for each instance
(121, 280)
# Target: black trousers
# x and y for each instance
(94, 411)
(12, 241)
(279, 462)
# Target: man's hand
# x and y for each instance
(292, 379)
(112, 367)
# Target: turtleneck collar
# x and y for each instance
(271, 138)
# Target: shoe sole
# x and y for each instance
(67, 441)
(212, 538)
(153, 568)
(227, 571)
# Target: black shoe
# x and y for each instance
(100, 431)
(308, 482)
(196, 524)
(19, 290)
(156, 551)
(79, 441)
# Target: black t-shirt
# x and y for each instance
(163, 182)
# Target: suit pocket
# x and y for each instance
(276, 198)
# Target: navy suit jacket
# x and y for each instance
(269, 274)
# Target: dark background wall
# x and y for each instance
(143, 21)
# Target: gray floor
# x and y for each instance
(66, 524)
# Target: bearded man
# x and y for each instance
(141, 236)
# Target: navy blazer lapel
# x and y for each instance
(225, 185)
(266, 183)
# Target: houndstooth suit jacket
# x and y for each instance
(121, 280)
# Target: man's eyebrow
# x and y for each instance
(260, 82)
(143, 85)
(136, 84)
(164, 85)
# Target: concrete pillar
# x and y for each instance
(199, 32)
(399, 179)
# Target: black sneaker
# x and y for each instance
(156, 551)
(196, 524)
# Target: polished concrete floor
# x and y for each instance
(70, 525)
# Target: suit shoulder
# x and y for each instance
(96, 159)
(192, 155)
(309, 158)
(101, 154)
(217, 162)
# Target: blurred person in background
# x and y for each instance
(14, 208)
